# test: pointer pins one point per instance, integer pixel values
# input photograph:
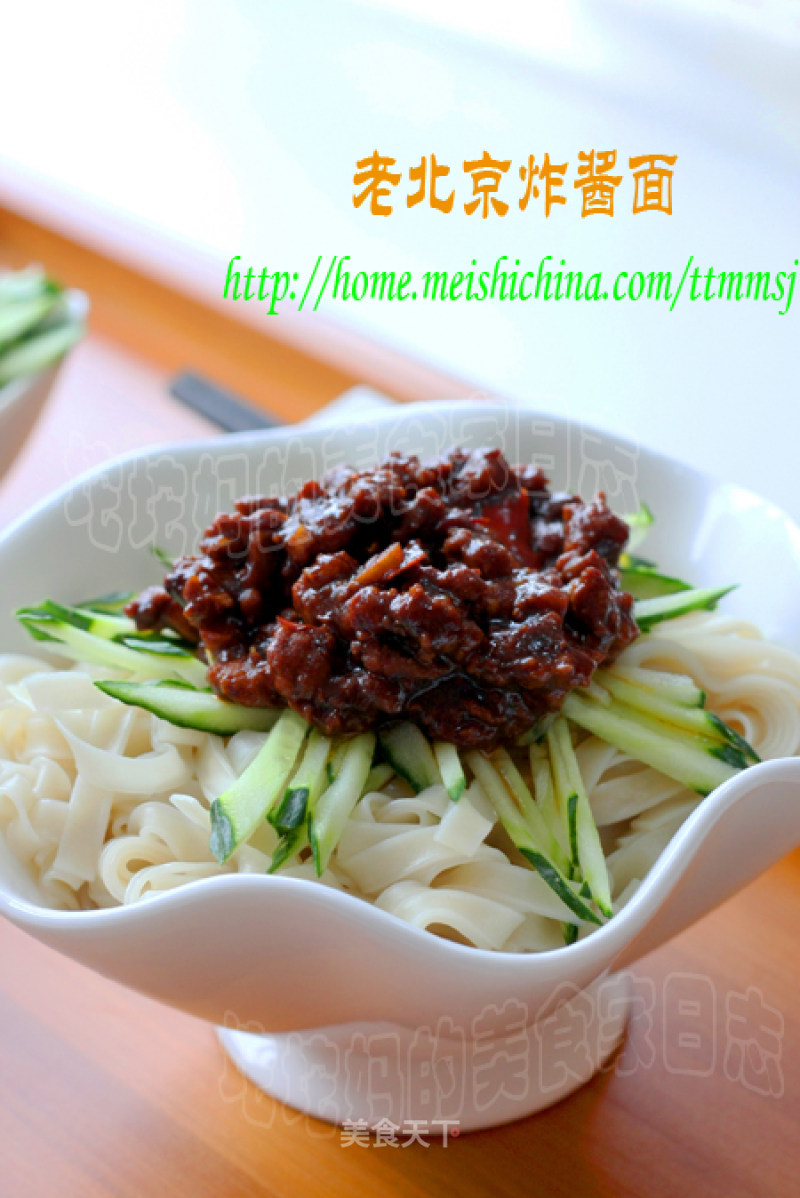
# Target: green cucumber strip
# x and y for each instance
(570, 931)
(111, 605)
(181, 704)
(378, 776)
(544, 791)
(291, 811)
(572, 824)
(563, 787)
(85, 646)
(733, 737)
(697, 763)
(327, 820)
(511, 818)
(407, 750)
(450, 768)
(114, 626)
(496, 791)
(531, 814)
(586, 849)
(559, 884)
(305, 786)
(39, 352)
(648, 612)
(632, 561)
(694, 719)
(503, 763)
(674, 688)
(638, 522)
(534, 734)
(25, 284)
(728, 753)
(102, 624)
(18, 317)
(111, 626)
(294, 840)
(595, 691)
(111, 640)
(236, 813)
(643, 582)
(63, 311)
(157, 643)
(38, 632)
(162, 556)
(289, 845)
(338, 750)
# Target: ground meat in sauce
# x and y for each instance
(460, 593)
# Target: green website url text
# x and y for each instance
(508, 280)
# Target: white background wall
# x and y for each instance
(180, 132)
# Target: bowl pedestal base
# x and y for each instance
(382, 1075)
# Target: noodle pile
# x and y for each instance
(107, 804)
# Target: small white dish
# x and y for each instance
(324, 1000)
(22, 400)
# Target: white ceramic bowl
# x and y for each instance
(22, 401)
(326, 1001)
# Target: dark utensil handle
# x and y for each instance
(226, 410)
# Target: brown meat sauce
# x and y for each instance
(460, 594)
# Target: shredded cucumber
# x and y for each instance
(531, 811)
(408, 751)
(692, 719)
(84, 646)
(112, 604)
(187, 707)
(544, 790)
(648, 612)
(236, 813)
(698, 763)
(38, 324)
(523, 838)
(327, 820)
(674, 688)
(378, 776)
(638, 522)
(16, 318)
(645, 582)
(584, 839)
(306, 785)
(450, 768)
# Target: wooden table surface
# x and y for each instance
(103, 1092)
